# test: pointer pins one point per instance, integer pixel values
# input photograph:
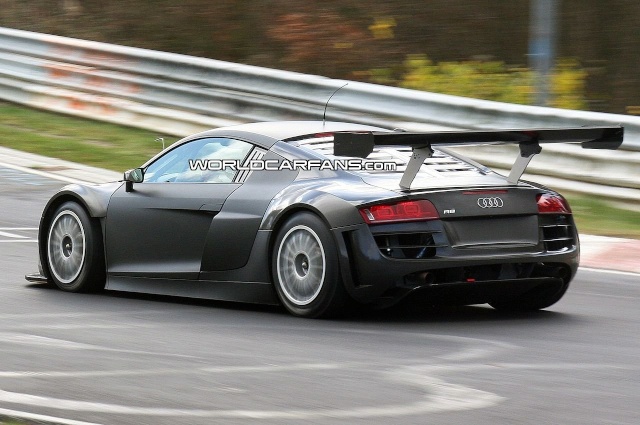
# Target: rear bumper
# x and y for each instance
(459, 275)
(463, 293)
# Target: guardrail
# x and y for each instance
(177, 94)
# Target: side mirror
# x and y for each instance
(133, 176)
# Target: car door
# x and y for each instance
(160, 227)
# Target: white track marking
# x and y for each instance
(174, 371)
(465, 355)
(40, 173)
(9, 232)
(618, 272)
(628, 297)
(18, 240)
(493, 346)
(12, 235)
(45, 418)
(277, 368)
(12, 316)
(455, 368)
(28, 339)
(108, 314)
(19, 228)
(440, 396)
(95, 374)
(71, 326)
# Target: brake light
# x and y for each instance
(552, 204)
(400, 211)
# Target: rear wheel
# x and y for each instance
(305, 268)
(75, 254)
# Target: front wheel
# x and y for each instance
(75, 254)
(305, 268)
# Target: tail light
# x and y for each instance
(399, 211)
(552, 204)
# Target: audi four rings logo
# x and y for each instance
(494, 202)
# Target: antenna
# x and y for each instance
(326, 105)
(160, 139)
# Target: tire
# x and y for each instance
(536, 299)
(75, 253)
(305, 268)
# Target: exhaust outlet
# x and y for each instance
(427, 277)
(561, 273)
(557, 271)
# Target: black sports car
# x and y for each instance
(318, 214)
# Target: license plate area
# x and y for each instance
(491, 232)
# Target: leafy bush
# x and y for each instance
(486, 79)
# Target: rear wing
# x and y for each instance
(361, 144)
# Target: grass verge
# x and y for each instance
(120, 148)
(597, 216)
(14, 421)
(95, 143)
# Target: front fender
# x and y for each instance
(94, 198)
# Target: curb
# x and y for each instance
(603, 252)
(54, 168)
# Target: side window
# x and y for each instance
(188, 162)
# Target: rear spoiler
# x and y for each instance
(361, 144)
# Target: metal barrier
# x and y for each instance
(177, 94)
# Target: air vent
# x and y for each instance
(407, 245)
(557, 233)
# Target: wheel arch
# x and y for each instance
(282, 219)
(89, 200)
(332, 211)
(329, 296)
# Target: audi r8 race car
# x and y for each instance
(318, 215)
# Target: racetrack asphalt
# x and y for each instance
(598, 252)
